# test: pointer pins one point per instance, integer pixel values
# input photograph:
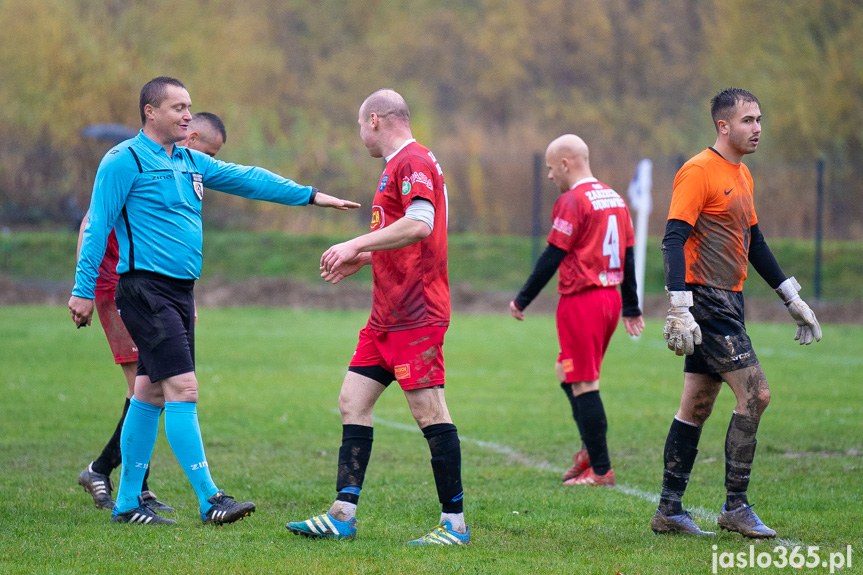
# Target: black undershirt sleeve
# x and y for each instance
(674, 260)
(629, 287)
(763, 260)
(546, 265)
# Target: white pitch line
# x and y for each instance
(698, 512)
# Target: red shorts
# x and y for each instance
(122, 346)
(585, 323)
(413, 356)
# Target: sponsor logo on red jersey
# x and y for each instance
(562, 226)
(377, 217)
(384, 182)
(422, 178)
(568, 365)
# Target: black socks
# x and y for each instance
(739, 452)
(681, 448)
(445, 450)
(110, 458)
(593, 426)
(354, 457)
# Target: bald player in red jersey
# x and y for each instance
(711, 236)
(403, 340)
(591, 245)
(206, 134)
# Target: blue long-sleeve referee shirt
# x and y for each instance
(154, 203)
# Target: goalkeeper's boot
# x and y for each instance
(226, 510)
(443, 534)
(580, 462)
(141, 515)
(153, 503)
(324, 526)
(744, 521)
(98, 485)
(589, 477)
(670, 524)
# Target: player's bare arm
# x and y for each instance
(327, 201)
(403, 232)
(81, 232)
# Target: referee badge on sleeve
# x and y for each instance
(198, 184)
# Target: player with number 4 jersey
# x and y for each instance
(590, 244)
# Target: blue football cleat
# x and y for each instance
(324, 526)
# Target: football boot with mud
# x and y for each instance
(672, 524)
(744, 521)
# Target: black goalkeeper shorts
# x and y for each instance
(725, 346)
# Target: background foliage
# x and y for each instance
(490, 82)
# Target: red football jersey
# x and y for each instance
(591, 222)
(108, 275)
(411, 284)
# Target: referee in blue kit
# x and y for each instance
(151, 191)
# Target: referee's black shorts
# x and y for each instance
(159, 312)
(726, 346)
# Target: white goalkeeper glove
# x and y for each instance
(681, 332)
(807, 325)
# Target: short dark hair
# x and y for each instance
(725, 101)
(215, 122)
(154, 92)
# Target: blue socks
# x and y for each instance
(139, 437)
(184, 435)
(141, 425)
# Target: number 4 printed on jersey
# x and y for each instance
(611, 243)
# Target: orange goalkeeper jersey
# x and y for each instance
(714, 196)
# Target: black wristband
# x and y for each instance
(312, 196)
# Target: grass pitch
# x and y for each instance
(269, 382)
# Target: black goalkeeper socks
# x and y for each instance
(681, 448)
(740, 445)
